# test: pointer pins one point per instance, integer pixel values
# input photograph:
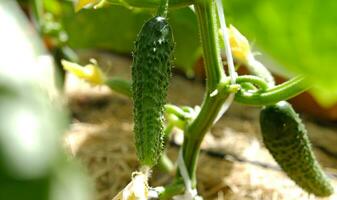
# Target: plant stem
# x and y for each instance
(254, 80)
(195, 132)
(275, 94)
(163, 7)
(165, 164)
(119, 85)
(173, 109)
(175, 188)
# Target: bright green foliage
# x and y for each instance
(286, 138)
(298, 35)
(115, 28)
(151, 71)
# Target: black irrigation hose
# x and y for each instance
(325, 150)
(232, 157)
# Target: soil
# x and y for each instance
(233, 165)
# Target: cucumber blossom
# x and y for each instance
(286, 138)
(151, 72)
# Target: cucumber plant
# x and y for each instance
(284, 134)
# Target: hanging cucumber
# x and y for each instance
(151, 71)
(286, 138)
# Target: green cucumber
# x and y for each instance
(151, 72)
(286, 138)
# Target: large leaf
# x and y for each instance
(300, 35)
(115, 28)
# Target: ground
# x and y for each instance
(233, 165)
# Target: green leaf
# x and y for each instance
(32, 163)
(185, 30)
(299, 35)
(115, 28)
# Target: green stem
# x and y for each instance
(175, 188)
(275, 94)
(163, 7)
(120, 85)
(165, 164)
(254, 80)
(151, 3)
(194, 133)
(173, 109)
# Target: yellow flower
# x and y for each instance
(239, 44)
(91, 72)
(79, 4)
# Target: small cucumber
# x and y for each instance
(151, 71)
(286, 138)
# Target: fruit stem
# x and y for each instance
(163, 7)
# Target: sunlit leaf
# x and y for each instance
(115, 28)
(299, 35)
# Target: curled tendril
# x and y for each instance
(255, 81)
(274, 94)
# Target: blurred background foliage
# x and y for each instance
(33, 165)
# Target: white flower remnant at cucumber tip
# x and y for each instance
(137, 189)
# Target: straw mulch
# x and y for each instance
(101, 138)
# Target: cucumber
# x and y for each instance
(151, 72)
(286, 138)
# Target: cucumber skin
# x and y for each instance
(151, 72)
(286, 138)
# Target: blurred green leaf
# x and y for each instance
(29, 121)
(32, 119)
(32, 189)
(113, 28)
(185, 30)
(299, 35)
